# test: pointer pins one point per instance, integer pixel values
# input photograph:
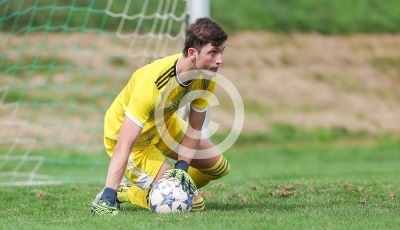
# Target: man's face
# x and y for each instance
(209, 58)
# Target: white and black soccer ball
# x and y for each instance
(166, 197)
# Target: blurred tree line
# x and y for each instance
(320, 16)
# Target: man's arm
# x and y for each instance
(186, 152)
(129, 134)
(192, 137)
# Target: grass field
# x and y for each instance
(326, 17)
(279, 186)
(283, 178)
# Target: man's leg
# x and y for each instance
(211, 165)
(138, 196)
(144, 168)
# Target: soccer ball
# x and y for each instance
(166, 197)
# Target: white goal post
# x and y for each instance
(197, 9)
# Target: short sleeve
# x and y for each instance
(201, 103)
(142, 101)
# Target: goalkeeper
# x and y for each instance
(142, 129)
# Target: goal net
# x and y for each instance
(61, 65)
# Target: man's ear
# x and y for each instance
(192, 54)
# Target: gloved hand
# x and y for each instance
(180, 173)
(106, 205)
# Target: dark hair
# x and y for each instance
(201, 32)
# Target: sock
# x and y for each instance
(202, 177)
(198, 205)
(139, 196)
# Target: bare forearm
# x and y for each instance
(189, 146)
(130, 133)
(117, 167)
(190, 142)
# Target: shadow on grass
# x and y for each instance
(130, 208)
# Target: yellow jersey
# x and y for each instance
(152, 96)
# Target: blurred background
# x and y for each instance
(307, 71)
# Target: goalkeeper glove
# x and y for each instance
(106, 205)
(180, 173)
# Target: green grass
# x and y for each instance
(385, 63)
(80, 15)
(284, 133)
(30, 63)
(59, 165)
(275, 186)
(326, 17)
